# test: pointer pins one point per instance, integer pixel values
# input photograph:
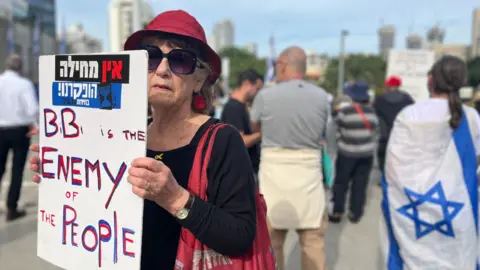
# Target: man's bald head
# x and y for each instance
(295, 60)
(14, 62)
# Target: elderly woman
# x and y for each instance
(182, 69)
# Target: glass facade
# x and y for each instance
(43, 10)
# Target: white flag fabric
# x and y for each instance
(430, 198)
(270, 72)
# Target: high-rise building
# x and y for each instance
(435, 36)
(26, 16)
(30, 11)
(126, 17)
(224, 34)
(316, 65)
(386, 40)
(460, 51)
(211, 41)
(414, 42)
(251, 48)
(79, 41)
(476, 33)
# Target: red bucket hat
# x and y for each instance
(179, 22)
(393, 81)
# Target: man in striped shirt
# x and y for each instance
(356, 124)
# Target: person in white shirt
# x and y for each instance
(18, 117)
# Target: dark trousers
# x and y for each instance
(15, 139)
(354, 171)
(381, 154)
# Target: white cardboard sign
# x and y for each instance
(93, 117)
(412, 67)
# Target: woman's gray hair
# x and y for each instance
(14, 62)
(206, 91)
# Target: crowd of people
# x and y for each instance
(273, 143)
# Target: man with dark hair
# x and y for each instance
(235, 112)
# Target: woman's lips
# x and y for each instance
(162, 87)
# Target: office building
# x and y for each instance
(126, 17)
(316, 65)
(79, 41)
(458, 50)
(435, 36)
(23, 16)
(386, 40)
(211, 41)
(224, 34)
(414, 42)
(43, 10)
(476, 33)
(251, 48)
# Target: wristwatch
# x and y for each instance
(183, 212)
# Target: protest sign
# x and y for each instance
(93, 117)
(412, 66)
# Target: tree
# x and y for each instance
(241, 60)
(368, 68)
(474, 71)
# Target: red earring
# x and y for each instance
(199, 102)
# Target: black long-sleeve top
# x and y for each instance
(226, 223)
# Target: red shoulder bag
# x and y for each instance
(193, 255)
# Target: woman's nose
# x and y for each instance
(163, 69)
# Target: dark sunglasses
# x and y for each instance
(180, 61)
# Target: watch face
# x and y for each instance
(182, 213)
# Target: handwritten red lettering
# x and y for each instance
(76, 181)
(101, 233)
(105, 232)
(44, 161)
(48, 218)
(69, 127)
(115, 180)
(88, 167)
(67, 132)
(52, 122)
(126, 239)
(71, 195)
(69, 221)
(63, 167)
(134, 135)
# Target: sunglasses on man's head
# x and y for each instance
(180, 61)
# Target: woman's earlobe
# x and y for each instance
(199, 85)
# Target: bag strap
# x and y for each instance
(198, 180)
(362, 115)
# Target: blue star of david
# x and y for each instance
(435, 195)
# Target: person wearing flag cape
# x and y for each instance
(430, 197)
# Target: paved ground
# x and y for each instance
(348, 246)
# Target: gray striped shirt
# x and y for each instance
(356, 139)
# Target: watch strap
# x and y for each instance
(183, 212)
(190, 201)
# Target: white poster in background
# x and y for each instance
(412, 66)
(93, 115)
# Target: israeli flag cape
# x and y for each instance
(430, 198)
